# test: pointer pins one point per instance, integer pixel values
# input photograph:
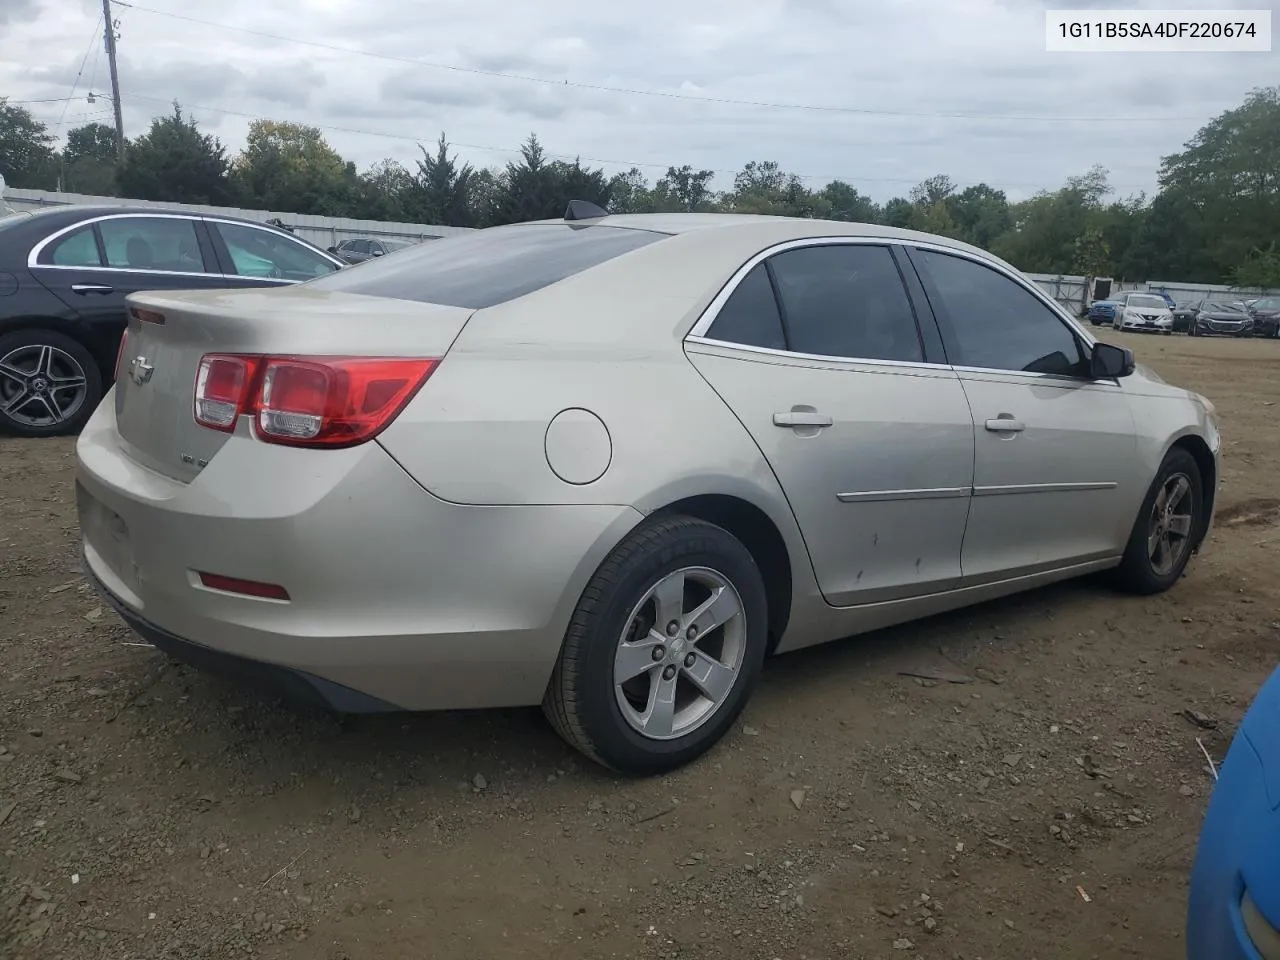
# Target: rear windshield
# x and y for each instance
(487, 267)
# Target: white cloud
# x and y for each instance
(983, 59)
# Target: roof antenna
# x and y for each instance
(583, 210)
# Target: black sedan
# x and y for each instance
(64, 276)
(1184, 312)
(1222, 319)
(1266, 317)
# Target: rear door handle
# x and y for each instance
(1005, 425)
(801, 418)
(83, 288)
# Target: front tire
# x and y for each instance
(1167, 528)
(663, 650)
(49, 383)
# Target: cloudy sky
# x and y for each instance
(881, 93)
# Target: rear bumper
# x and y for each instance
(295, 685)
(395, 595)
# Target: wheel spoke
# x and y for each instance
(1180, 488)
(1153, 542)
(19, 401)
(668, 598)
(45, 364)
(54, 413)
(12, 373)
(1180, 525)
(65, 383)
(633, 659)
(710, 676)
(658, 719)
(717, 610)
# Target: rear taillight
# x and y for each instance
(307, 401)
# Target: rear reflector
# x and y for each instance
(249, 588)
(307, 401)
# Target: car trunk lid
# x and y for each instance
(168, 334)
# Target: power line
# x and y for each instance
(79, 73)
(639, 92)
(812, 177)
(45, 100)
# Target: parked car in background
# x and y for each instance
(1223, 319)
(1143, 312)
(1184, 314)
(860, 426)
(360, 249)
(64, 277)
(1102, 312)
(1234, 905)
(1265, 314)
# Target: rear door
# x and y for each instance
(94, 265)
(258, 256)
(1055, 450)
(818, 351)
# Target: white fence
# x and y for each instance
(322, 231)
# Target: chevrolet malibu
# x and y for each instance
(609, 464)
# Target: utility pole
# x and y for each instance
(109, 35)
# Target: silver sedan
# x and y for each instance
(609, 464)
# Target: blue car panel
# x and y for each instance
(1235, 883)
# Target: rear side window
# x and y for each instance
(79, 248)
(750, 316)
(164, 244)
(488, 267)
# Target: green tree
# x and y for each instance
(528, 188)
(843, 202)
(981, 213)
(383, 192)
(1224, 187)
(897, 212)
(629, 193)
(175, 162)
(89, 160)
(27, 158)
(685, 190)
(1260, 269)
(442, 190)
(1060, 232)
(291, 167)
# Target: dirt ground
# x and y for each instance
(148, 811)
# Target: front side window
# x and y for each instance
(991, 322)
(846, 300)
(162, 244)
(750, 316)
(79, 248)
(269, 255)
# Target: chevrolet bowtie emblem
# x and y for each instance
(140, 371)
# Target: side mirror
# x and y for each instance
(377, 253)
(332, 249)
(1109, 361)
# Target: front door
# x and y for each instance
(872, 445)
(1054, 449)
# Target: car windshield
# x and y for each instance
(1268, 303)
(1219, 306)
(1145, 300)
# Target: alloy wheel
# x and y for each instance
(1169, 527)
(41, 385)
(681, 653)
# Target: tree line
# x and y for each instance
(1214, 219)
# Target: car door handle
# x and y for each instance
(801, 418)
(1005, 425)
(83, 288)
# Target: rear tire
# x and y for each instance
(629, 649)
(1167, 528)
(50, 384)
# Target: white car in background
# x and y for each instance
(1147, 312)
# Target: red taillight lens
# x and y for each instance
(308, 401)
(223, 387)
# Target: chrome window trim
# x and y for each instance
(33, 257)
(817, 357)
(697, 333)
